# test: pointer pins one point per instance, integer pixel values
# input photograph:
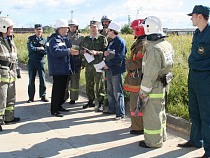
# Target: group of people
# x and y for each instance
(147, 80)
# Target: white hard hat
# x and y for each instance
(152, 25)
(61, 23)
(114, 26)
(73, 22)
(5, 22)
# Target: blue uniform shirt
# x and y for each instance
(33, 45)
(199, 58)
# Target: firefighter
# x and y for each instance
(133, 78)
(73, 81)
(8, 75)
(157, 63)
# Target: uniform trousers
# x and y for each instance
(94, 78)
(58, 92)
(154, 117)
(136, 121)
(199, 108)
(7, 101)
(33, 68)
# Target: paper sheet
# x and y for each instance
(89, 57)
(99, 66)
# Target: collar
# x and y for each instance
(95, 37)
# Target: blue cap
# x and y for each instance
(37, 26)
(200, 9)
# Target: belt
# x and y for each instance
(195, 70)
(6, 63)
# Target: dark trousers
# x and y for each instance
(33, 68)
(199, 108)
(58, 92)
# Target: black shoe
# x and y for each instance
(108, 113)
(185, 145)
(30, 100)
(143, 144)
(64, 110)
(44, 99)
(205, 156)
(0, 128)
(57, 114)
(16, 119)
(72, 102)
(89, 104)
(137, 132)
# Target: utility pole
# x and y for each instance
(72, 12)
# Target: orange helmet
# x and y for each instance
(139, 30)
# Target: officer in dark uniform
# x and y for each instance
(199, 81)
(37, 51)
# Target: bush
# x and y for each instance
(126, 29)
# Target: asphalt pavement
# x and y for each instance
(81, 133)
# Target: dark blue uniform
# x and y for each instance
(36, 63)
(199, 89)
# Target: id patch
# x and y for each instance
(201, 50)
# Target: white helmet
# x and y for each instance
(114, 26)
(73, 22)
(61, 23)
(5, 22)
(152, 25)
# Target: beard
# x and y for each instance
(105, 26)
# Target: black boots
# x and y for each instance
(89, 104)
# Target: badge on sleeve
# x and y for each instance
(201, 50)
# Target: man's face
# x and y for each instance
(110, 33)
(93, 30)
(10, 31)
(38, 31)
(72, 28)
(105, 24)
(63, 31)
(195, 19)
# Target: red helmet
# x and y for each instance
(139, 30)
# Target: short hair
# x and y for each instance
(115, 32)
(205, 17)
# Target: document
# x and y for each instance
(89, 57)
(99, 66)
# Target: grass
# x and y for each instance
(178, 95)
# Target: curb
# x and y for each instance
(173, 122)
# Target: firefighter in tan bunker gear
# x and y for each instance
(133, 78)
(8, 75)
(157, 63)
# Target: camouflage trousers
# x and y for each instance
(96, 79)
(7, 101)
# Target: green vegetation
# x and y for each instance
(126, 29)
(178, 95)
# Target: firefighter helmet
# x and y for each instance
(5, 22)
(73, 22)
(135, 25)
(105, 17)
(152, 25)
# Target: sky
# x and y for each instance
(26, 13)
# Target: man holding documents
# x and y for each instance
(94, 45)
(115, 67)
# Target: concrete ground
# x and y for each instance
(80, 133)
